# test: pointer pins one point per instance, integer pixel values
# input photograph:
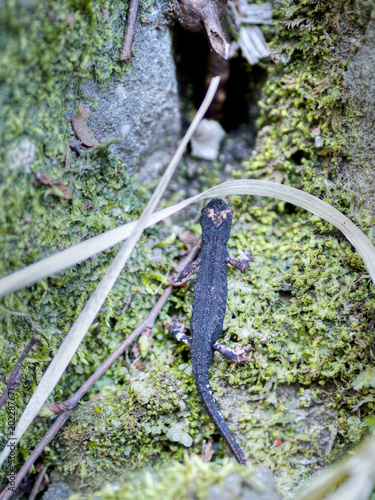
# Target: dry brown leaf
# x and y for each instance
(207, 450)
(67, 194)
(43, 178)
(82, 130)
(86, 206)
(188, 238)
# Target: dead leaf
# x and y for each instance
(82, 130)
(188, 238)
(51, 409)
(58, 188)
(86, 206)
(66, 192)
(207, 450)
(43, 178)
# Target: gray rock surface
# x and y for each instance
(22, 156)
(58, 490)
(361, 88)
(143, 110)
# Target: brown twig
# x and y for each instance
(38, 482)
(126, 50)
(14, 378)
(69, 404)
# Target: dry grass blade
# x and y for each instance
(85, 319)
(353, 479)
(71, 256)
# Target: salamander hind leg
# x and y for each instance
(185, 274)
(177, 330)
(237, 355)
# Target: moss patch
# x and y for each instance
(189, 480)
(47, 48)
(306, 308)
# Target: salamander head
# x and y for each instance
(217, 216)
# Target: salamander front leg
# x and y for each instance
(237, 355)
(243, 262)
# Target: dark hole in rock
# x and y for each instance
(297, 157)
(191, 53)
(243, 93)
(289, 208)
(242, 88)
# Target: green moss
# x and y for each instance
(306, 309)
(305, 105)
(46, 50)
(122, 430)
(307, 305)
(192, 479)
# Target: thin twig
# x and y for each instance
(148, 322)
(126, 50)
(14, 379)
(38, 482)
(49, 435)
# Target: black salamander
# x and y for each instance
(209, 305)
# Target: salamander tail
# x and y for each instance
(205, 393)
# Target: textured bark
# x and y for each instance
(204, 16)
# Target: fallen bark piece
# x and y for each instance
(242, 17)
(253, 44)
(82, 130)
(204, 16)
